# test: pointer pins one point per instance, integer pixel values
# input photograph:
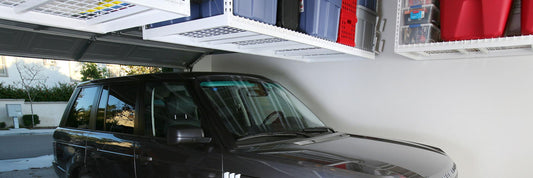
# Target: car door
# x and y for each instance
(110, 147)
(70, 138)
(170, 104)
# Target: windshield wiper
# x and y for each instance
(318, 129)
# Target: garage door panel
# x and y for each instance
(28, 44)
(63, 46)
(10, 39)
(138, 55)
(124, 47)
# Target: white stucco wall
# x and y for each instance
(52, 71)
(477, 110)
(49, 113)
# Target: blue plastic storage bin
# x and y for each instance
(260, 10)
(371, 4)
(320, 18)
(212, 7)
(195, 14)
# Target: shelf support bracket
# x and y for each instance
(29, 5)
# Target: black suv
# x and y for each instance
(219, 125)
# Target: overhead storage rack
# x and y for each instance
(480, 48)
(97, 16)
(233, 33)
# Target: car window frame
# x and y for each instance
(190, 91)
(92, 116)
(138, 103)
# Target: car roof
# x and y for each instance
(167, 76)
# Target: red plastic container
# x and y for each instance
(347, 21)
(527, 17)
(473, 19)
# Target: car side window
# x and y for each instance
(79, 114)
(169, 104)
(117, 108)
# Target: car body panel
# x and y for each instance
(322, 154)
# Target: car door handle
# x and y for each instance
(147, 159)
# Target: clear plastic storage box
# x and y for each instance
(420, 33)
(409, 3)
(421, 14)
(365, 29)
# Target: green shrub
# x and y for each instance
(26, 119)
(11, 92)
(60, 92)
(2, 125)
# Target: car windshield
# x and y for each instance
(250, 108)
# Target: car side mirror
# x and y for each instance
(186, 134)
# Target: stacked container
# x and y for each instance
(474, 19)
(320, 18)
(211, 8)
(420, 21)
(347, 22)
(259, 10)
(288, 14)
(527, 17)
(365, 29)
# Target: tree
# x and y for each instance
(30, 74)
(135, 70)
(91, 71)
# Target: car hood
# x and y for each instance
(369, 155)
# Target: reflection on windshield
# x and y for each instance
(252, 107)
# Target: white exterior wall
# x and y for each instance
(480, 111)
(61, 71)
(49, 113)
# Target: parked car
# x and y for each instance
(219, 125)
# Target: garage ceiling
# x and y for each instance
(122, 47)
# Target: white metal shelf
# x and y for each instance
(98, 16)
(237, 34)
(482, 48)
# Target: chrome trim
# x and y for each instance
(61, 169)
(112, 152)
(70, 144)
